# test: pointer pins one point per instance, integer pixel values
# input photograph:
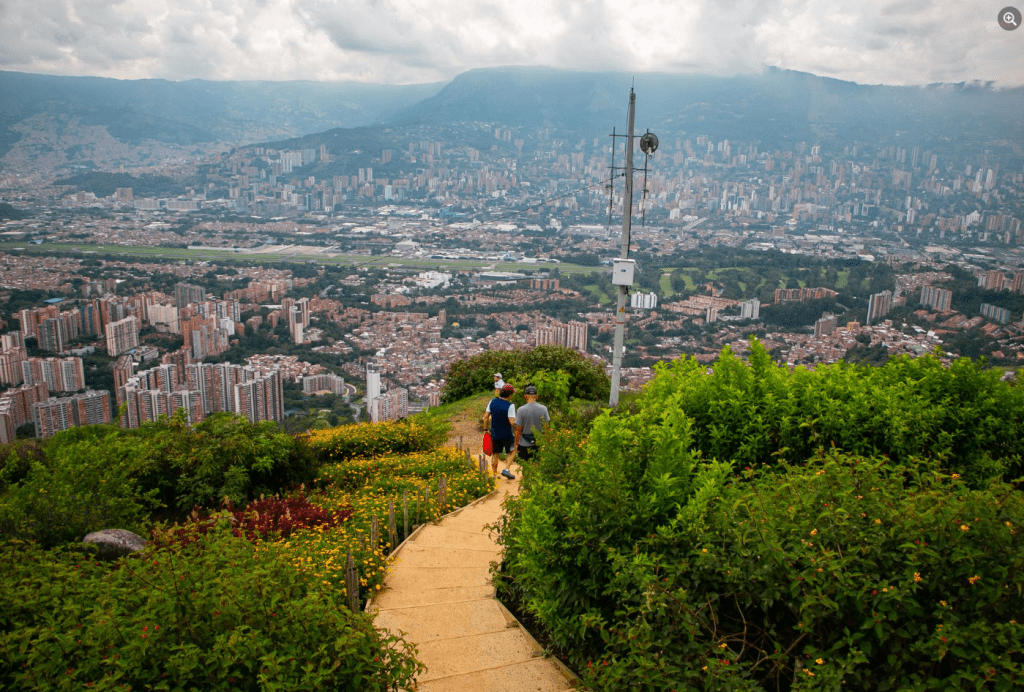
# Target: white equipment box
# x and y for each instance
(622, 272)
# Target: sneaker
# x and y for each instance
(508, 475)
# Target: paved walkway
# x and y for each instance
(440, 594)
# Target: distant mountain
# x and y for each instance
(63, 126)
(776, 106)
(58, 114)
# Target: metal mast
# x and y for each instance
(627, 213)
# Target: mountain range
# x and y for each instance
(66, 124)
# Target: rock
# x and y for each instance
(111, 544)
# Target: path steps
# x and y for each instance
(440, 595)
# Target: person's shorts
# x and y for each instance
(524, 453)
(502, 446)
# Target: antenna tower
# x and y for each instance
(623, 268)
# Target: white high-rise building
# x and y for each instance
(372, 389)
(643, 301)
(751, 309)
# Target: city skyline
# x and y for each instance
(900, 43)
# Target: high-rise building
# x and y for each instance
(53, 415)
(826, 325)
(571, 335)
(91, 407)
(205, 388)
(16, 408)
(59, 374)
(184, 294)
(391, 405)
(11, 341)
(751, 309)
(643, 301)
(164, 318)
(122, 335)
(323, 383)
(1017, 285)
(937, 298)
(996, 314)
(991, 280)
(52, 335)
(260, 398)
(10, 365)
(879, 305)
(372, 387)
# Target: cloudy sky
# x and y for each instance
(405, 41)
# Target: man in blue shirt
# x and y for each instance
(501, 416)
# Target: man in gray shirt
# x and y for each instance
(530, 420)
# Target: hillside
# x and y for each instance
(86, 121)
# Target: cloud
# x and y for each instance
(397, 41)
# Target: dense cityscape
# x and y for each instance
(262, 279)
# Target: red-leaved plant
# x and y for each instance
(262, 518)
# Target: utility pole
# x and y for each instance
(621, 268)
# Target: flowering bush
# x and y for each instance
(272, 517)
(218, 614)
(333, 445)
(365, 487)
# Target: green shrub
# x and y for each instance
(587, 380)
(848, 573)
(88, 490)
(16, 460)
(652, 567)
(757, 412)
(219, 614)
(100, 476)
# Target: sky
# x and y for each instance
(419, 41)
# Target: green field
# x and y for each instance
(144, 252)
(600, 295)
(666, 286)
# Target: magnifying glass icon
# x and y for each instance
(1009, 18)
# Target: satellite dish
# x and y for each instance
(649, 143)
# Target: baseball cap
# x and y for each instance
(497, 374)
(508, 389)
(531, 390)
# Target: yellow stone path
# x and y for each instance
(440, 595)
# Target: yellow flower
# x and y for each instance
(965, 527)
(975, 579)
(819, 661)
(917, 577)
(878, 521)
(814, 532)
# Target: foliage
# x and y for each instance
(653, 566)
(218, 614)
(363, 488)
(847, 573)
(587, 380)
(375, 439)
(758, 413)
(552, 388)
(55, 503)
(223, 456)
(270, 517)
(96, 477)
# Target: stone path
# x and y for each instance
(440, 595)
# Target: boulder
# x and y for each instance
(111, 544)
